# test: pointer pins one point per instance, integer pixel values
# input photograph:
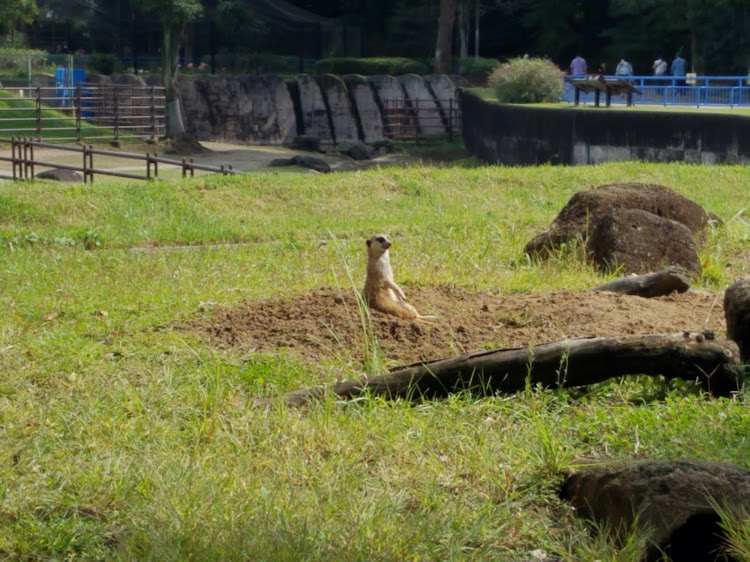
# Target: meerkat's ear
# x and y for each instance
(369, 242)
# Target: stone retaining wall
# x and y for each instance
(266, 110)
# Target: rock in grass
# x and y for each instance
(673, 501)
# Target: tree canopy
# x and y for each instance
(713, 36)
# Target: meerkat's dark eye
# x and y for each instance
(380, 239)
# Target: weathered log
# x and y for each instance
(668, 280)
(566, 363)
(737, 312)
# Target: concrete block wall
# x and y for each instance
(527, 135)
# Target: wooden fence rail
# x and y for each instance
(24, 163)
(90, 111)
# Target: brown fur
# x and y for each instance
(381, 291)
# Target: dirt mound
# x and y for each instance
(325, 323)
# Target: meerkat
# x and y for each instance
(381, 291)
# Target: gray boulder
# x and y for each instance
(640, 242)
(737, 311)
(674, 501)
(312, 162)
(59, 174)
(355, 150)
(583, 212)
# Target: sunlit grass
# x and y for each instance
(124, 437)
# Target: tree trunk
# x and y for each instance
(464, 7)
(445, 36)
(174, 125)
(567, 363)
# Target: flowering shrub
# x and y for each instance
(527, 81)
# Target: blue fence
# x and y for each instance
(691, 91)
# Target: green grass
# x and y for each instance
(125, 438)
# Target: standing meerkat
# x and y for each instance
(381, 291)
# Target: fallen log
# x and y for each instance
(567, 363)
(668, 280)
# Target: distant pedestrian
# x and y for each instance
(679, 68)
(624, 68)
(578, 65)
(660, 67)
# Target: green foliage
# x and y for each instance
(102, 63)
(370, 66)
(255, 63)
(13, 61)
(527, 81)
(477, 71)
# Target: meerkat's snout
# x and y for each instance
(380, 240)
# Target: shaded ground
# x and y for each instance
(325, 323)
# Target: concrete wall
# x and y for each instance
(523, 135)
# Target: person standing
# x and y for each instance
(578, 65)
(660, 67)
(679, 68)
(624, 68)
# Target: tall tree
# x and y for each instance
(14, 13)
(444, 45)
(174, 16)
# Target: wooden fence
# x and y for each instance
(84, 111)
(24, 163)
(420, 120)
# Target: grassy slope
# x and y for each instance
(125, 438)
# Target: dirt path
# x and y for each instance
(241, 158)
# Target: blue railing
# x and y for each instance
(690, 91)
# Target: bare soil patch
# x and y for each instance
(324, 324)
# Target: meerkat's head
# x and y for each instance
(378, 244)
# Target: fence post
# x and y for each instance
(79, 113)
(152, 110)
(30, 161)
(85, 166)
(38, 113)
(450, 120)
(416, 121)
(16, 162)
(116, 104)
(91, 163)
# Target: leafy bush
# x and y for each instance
(527, 81)
(477, 71)
(370, 66)
(16, 62)
(102, 63)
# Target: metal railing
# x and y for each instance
(420, 120)
(24, 162)
(731, 91)
(84, 111)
